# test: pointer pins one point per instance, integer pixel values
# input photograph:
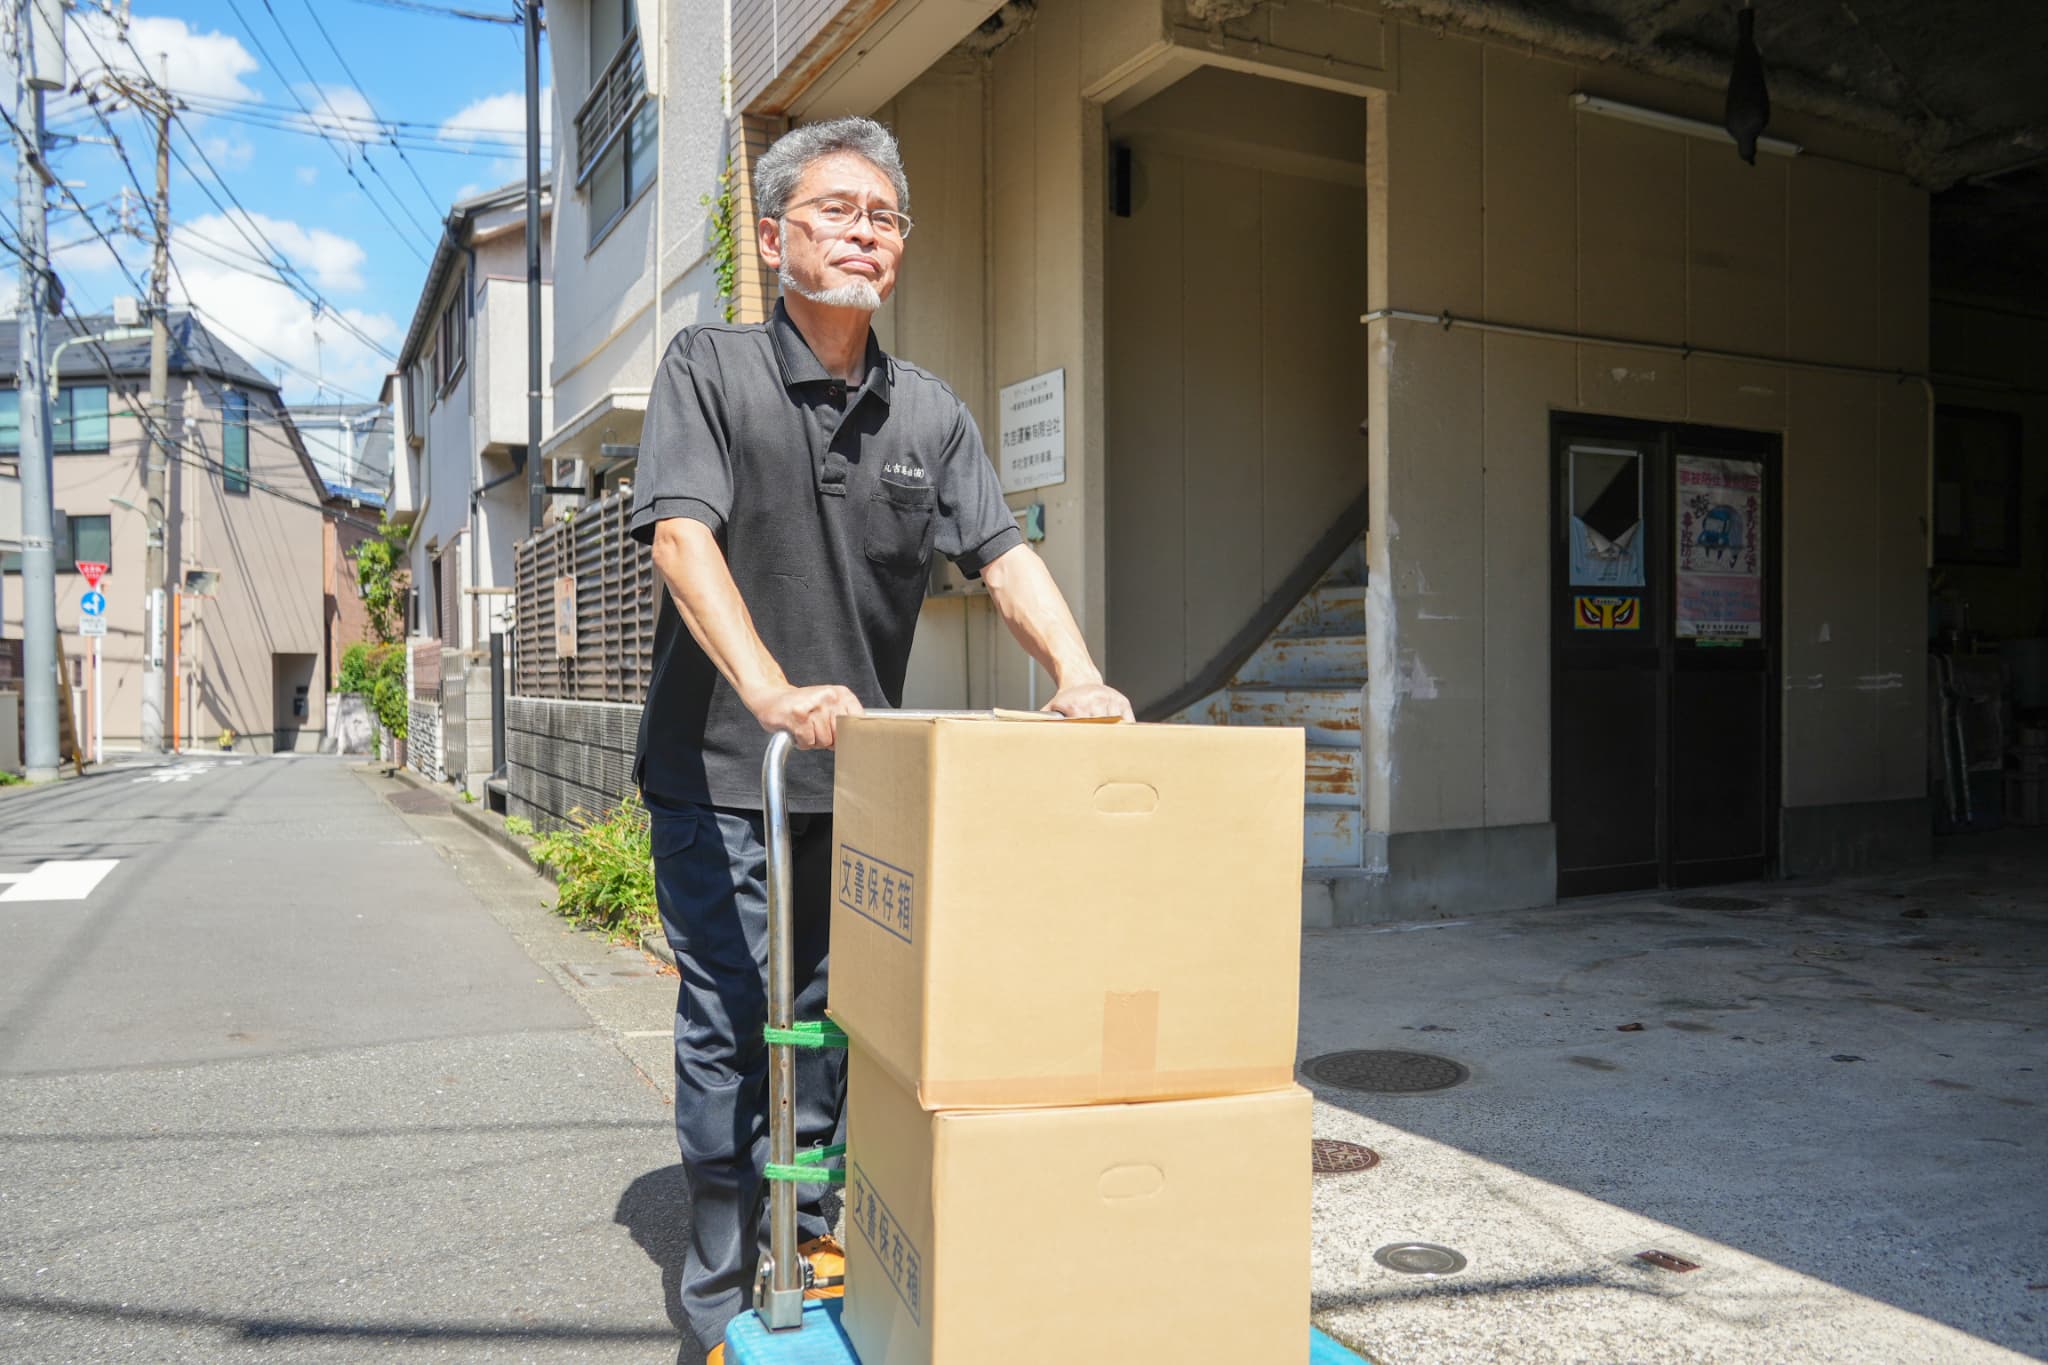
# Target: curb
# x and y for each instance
(491, 825)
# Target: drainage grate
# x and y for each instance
(419, 803)
(1328, 1156)
(1714, 903)
(1420, 1258)
(1386, 1073)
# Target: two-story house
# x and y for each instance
(459, 468)
(242, 535)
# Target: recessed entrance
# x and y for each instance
(1664, 648)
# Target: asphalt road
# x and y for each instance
(287, 1073)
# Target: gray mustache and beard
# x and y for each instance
(860, 294)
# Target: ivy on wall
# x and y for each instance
(725, 252)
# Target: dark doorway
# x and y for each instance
(1664, 655)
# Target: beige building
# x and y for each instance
(1430, 376)
(243, 529)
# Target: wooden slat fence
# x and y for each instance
(615, 606)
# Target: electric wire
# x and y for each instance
(445, 11)
(361, 146)
(349, 71)
(347, 167)
(245, 225)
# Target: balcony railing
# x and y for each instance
(609, 107)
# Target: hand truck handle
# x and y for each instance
(779, 1288)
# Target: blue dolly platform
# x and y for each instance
(820, 1341)
(810, 1332)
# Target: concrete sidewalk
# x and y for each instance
(1832, 1105)
(1829, 1098)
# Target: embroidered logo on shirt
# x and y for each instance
(905, 471)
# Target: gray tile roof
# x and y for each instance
(193, 349)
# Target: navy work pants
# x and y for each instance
(711, 881)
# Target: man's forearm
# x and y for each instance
(1031, 605)
(700, 583)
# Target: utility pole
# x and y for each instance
(39, 66)
(535, 479)
(156, 472)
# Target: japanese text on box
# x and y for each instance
(893, 1248)
(878, 891)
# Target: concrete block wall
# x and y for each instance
(563, 756)
(423, 739)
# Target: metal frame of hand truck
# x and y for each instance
(769, 1335)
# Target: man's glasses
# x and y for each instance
(840, 215)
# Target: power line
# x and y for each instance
(445, 11)
(418, 135)
(328, 100)
(349, 71)
(246, 225)
(339, 155)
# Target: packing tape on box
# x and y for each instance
(1130, 1031)
(1103, 1087)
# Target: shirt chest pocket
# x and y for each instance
(899, 525)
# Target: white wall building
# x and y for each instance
(457, 478)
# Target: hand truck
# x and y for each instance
(783, 1329)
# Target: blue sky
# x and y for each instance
(292, 137)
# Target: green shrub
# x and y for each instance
(378, 672)
(604, 870)
(519, 827)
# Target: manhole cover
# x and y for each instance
(419, 803)
(1331, 1157)
(1386, 1073)
(1714, 903)
(1419, 1258)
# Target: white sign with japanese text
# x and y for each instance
(1032, 451)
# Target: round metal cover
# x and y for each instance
(1331, 1157)
(1715, 903)
(1420, 1258)
(1386, 1073)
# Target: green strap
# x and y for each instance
(807, 1033)
(810, 1168)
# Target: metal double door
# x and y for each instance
(1664, 651)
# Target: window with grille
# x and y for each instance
(617, 126)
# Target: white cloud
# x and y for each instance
(341, 111)
(209, 64)
(334, 262)
(229, 153)
(255, 313)
(306, 175)
(491, 120)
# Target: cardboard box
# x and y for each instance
(1033, 912)
(1176, 1231)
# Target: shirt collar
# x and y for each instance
(800, 365)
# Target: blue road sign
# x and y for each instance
(94, 603)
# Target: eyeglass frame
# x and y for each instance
(858, 214)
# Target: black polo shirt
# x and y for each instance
(828, 503)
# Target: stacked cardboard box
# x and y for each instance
(1067, 956)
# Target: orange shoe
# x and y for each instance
(828, 1270)
(717, 1356)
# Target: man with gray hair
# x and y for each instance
(794, 482)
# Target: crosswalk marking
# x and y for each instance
(63, 880)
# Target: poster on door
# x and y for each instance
(1720, 549)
